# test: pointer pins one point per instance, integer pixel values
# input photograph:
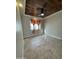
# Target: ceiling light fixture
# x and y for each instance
(20, 5)
(42, 14)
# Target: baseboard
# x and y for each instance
(33, 36)
(53, 36)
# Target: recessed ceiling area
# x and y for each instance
(42, 8)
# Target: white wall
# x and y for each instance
(26, 26)
(19, 36)
(53, 25)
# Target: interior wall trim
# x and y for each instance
(52, 14)
(33, 36)
(53, 36)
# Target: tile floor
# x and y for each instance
(42, 47)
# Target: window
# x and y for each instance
(35, 25)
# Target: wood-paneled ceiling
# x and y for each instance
(34, 7)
